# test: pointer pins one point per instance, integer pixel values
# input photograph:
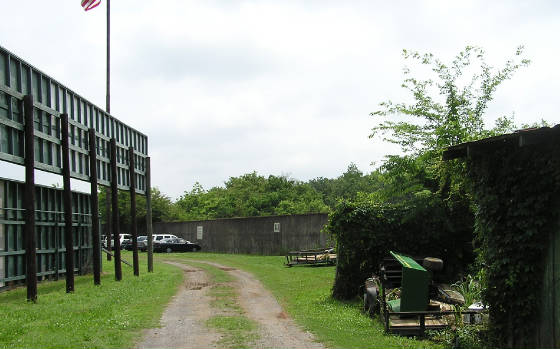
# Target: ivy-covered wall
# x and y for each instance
(423, 226)
(517, 195)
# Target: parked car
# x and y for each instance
(123, 239)
(141, 242)
(157, 237)
(175, 245)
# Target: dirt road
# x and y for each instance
(183, 322)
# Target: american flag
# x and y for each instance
(89, 4)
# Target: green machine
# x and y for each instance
(414, 286)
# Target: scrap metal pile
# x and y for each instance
(410, 302)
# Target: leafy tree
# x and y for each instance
(433, 123)
(446, 109)
(163, 208)
(346, 186)
(251, 195)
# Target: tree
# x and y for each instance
(251, 195)
(456, 115)
(347, 186)
(163, 208)
(446, 110)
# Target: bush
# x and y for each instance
(425, 225)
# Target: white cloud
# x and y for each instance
(223, 88)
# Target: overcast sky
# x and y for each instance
(223, 88)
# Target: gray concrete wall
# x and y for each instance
(253, 235)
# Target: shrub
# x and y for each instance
(425, 225)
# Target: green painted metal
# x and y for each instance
(49, 215)
(414, 285)
(19, 78)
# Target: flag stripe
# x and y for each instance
(90, 4)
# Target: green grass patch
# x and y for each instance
(304, 292)
(238, 331)
(107, 316)
(224, 297)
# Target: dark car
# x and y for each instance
(175, 245)
(127, 245)
(141, 242)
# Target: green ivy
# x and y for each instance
(516, 194)
(423, 226)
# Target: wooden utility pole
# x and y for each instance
(133, 227)
(115, 209)
(29, 202)
(94, 203)
(149, 217)
(67, 196)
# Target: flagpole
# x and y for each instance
(108, 100)
(108, 215)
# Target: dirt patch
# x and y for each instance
(183, 322)
(226, 268)
(276, 328)
(196, 285)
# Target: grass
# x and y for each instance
(304, 292)
(237, 331)
(111, 315)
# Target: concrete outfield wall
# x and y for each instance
(253, 235)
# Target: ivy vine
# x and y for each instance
(516, 194)
(424, 226)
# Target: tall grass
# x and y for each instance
(111, 315)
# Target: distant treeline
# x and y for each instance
(252, 195)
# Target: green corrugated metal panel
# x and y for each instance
(414, 285)
(18, 78)
(49, 216)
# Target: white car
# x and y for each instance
(158, 237)
(122, 238)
